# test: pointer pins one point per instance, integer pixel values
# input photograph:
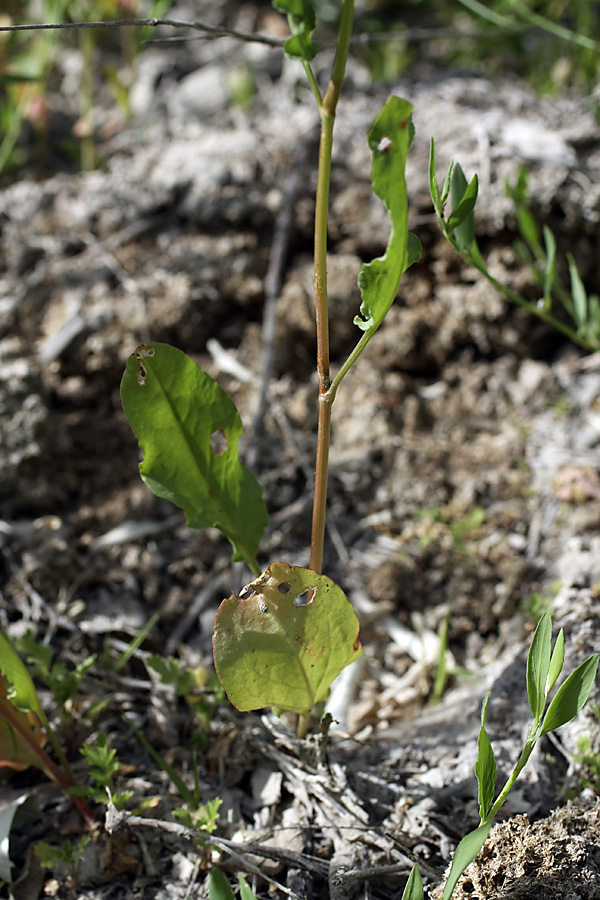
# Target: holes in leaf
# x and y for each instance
(306, 597)
(140, 353)
(218, 442)
(284, 587)
(143, 351)
(385, 144)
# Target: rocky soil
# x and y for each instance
(464, 479)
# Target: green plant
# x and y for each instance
(68, 856)
(544, 666)
(104, 765)
(219, 889)
(284, 639)
(292, 630)
(458, 227)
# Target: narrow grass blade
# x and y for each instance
(413, 889)
(465, 853)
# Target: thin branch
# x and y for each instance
(214, 30)
(217, 31)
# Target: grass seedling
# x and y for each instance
(544, 667)
(458, 227)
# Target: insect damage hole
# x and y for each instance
(143, 351)
(385, 144)
(140, 353)
(218, 442)
(284, 587)
(306, 597)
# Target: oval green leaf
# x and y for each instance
(189, 429)
(285, 642)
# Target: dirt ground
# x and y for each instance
(464, 480)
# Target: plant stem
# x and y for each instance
(520, 765)
(327, 111)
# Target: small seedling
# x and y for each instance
(67, 856)
(104, 765)
(219, 888)
(458, 227)
(271, 647)
(544, 667)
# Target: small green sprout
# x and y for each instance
(544, 666)
(104, 765)
(68, 856)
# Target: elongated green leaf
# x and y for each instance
(556, 662)
(465, 853)
(218, 886)
(389, 140)
(579, 294)
(550, 266)
(302, 21)
(485, 767)
(538, 665)
(572, 695)
(189, 429)
(464, 196)
(434, 188)
(246, 892)
(413, 889)
(284, 644)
